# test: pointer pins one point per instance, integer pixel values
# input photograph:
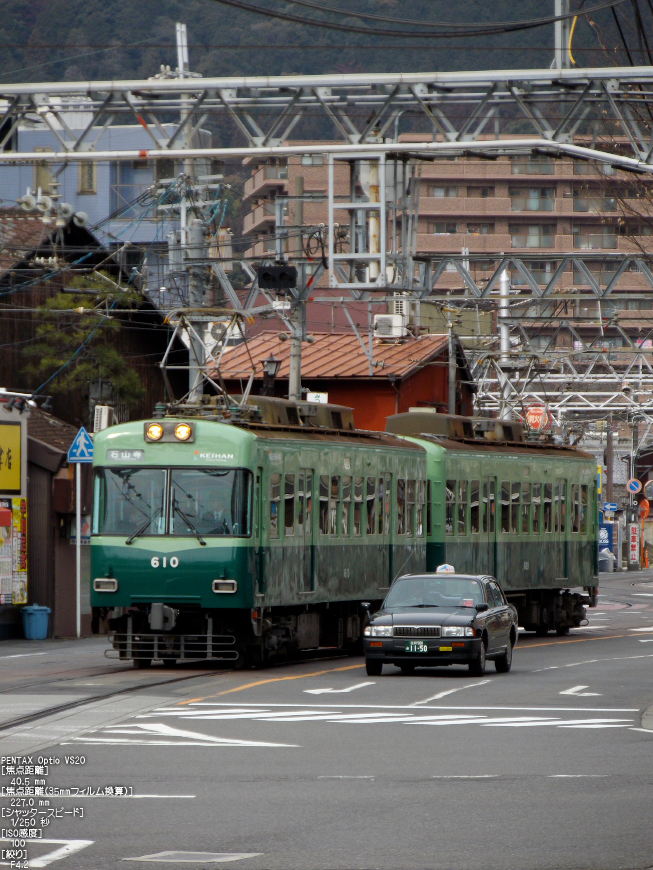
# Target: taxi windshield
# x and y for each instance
(435, 591)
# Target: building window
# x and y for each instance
(532, 235)
(480, 229)
(532, 164)
(440, 191)
(594, 238)
(442, 228)
(541, 270)
(312, 159)
(532, 198)
(128, 181)
(87, 178)
(480, 192)
(586, 167)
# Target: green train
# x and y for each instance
(245, 535)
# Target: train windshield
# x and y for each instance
(177, 501)
(440, 591)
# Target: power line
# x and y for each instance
(451, 34)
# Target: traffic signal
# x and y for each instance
(277, 277)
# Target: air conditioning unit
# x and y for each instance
(407, 307)
(390, 325)
(103, 418)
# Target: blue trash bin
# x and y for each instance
(35, 622)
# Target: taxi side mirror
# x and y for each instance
(366, 605)
(481, 607)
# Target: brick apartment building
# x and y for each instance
(534, 206)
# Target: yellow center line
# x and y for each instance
(582, 640)
(270, 680)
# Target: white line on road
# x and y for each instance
(23, 656)
(642, 628)
(69, 847)
(577, 690)
(578, 775)
(337, 691)
(591, 662)
(343, 776)
(337, 707)
(471, 776)
(449, 692)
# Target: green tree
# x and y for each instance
(77, 337)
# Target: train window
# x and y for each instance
(489, 501)
(346, 507)
(300, 503)
(556, 506)
(575, 507)
(537, 503)
(324, 504)
(462, 506)
(387, 505)
(129, 499)
(525, 507)
(420, 508)
(548, 505)
(289, 506)
(334, 504)
(583, 509)
(451, 507)
(563, 504)
(275, 498)
(401, 506)
(371, 505)
(505, 506)
(210, 501)
(429, 510)
(410, 508)
(379, 506)
(475, 507)
(358, 507)
(515, 508)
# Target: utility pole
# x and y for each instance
(562, 29)
(609, 463)
(504, 341)
(451, 392)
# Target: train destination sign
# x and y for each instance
(537, 417)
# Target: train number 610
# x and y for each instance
(164, 561)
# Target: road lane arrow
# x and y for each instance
(577, 691)
(336, 691)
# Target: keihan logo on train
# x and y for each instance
(215, 456)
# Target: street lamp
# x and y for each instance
(271, 367)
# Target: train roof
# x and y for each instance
(526, 448)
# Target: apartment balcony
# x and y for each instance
(265, 180)
(262, 250)
(260, 217)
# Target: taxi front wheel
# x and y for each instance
(477, 665)
(373, 667)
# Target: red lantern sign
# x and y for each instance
(537, 417)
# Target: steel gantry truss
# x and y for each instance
(589, 114)
(461, 109)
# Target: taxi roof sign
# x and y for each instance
(445, 569)
(81, 450)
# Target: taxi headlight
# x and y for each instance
(183, 432)
(457, 631)
(155, 431)
(378, 631)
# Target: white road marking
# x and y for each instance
(646, 640)
(576, 690)
(410, 707)
(342, 776)
(642, 628)
(471, 776)
(449, 692)
(194, 857)
(69, 847)
(159, 730)
(337, 691)
(590, 662)
(25, 656)
(578, 775)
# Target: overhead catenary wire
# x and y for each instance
(445, 34)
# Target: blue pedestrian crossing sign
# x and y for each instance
(81, 450)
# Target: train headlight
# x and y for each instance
(183, 432)
(155, 431)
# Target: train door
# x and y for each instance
(488, 534)
(260, 503)
(305, 530)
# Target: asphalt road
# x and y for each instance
(316, 766)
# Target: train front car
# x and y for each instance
(172, 523)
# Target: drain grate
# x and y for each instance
(195, 857)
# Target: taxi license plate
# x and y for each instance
(416, 646)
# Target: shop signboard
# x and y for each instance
(13, 551)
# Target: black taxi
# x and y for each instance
(441, 619)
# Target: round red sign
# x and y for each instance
(537, 417)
